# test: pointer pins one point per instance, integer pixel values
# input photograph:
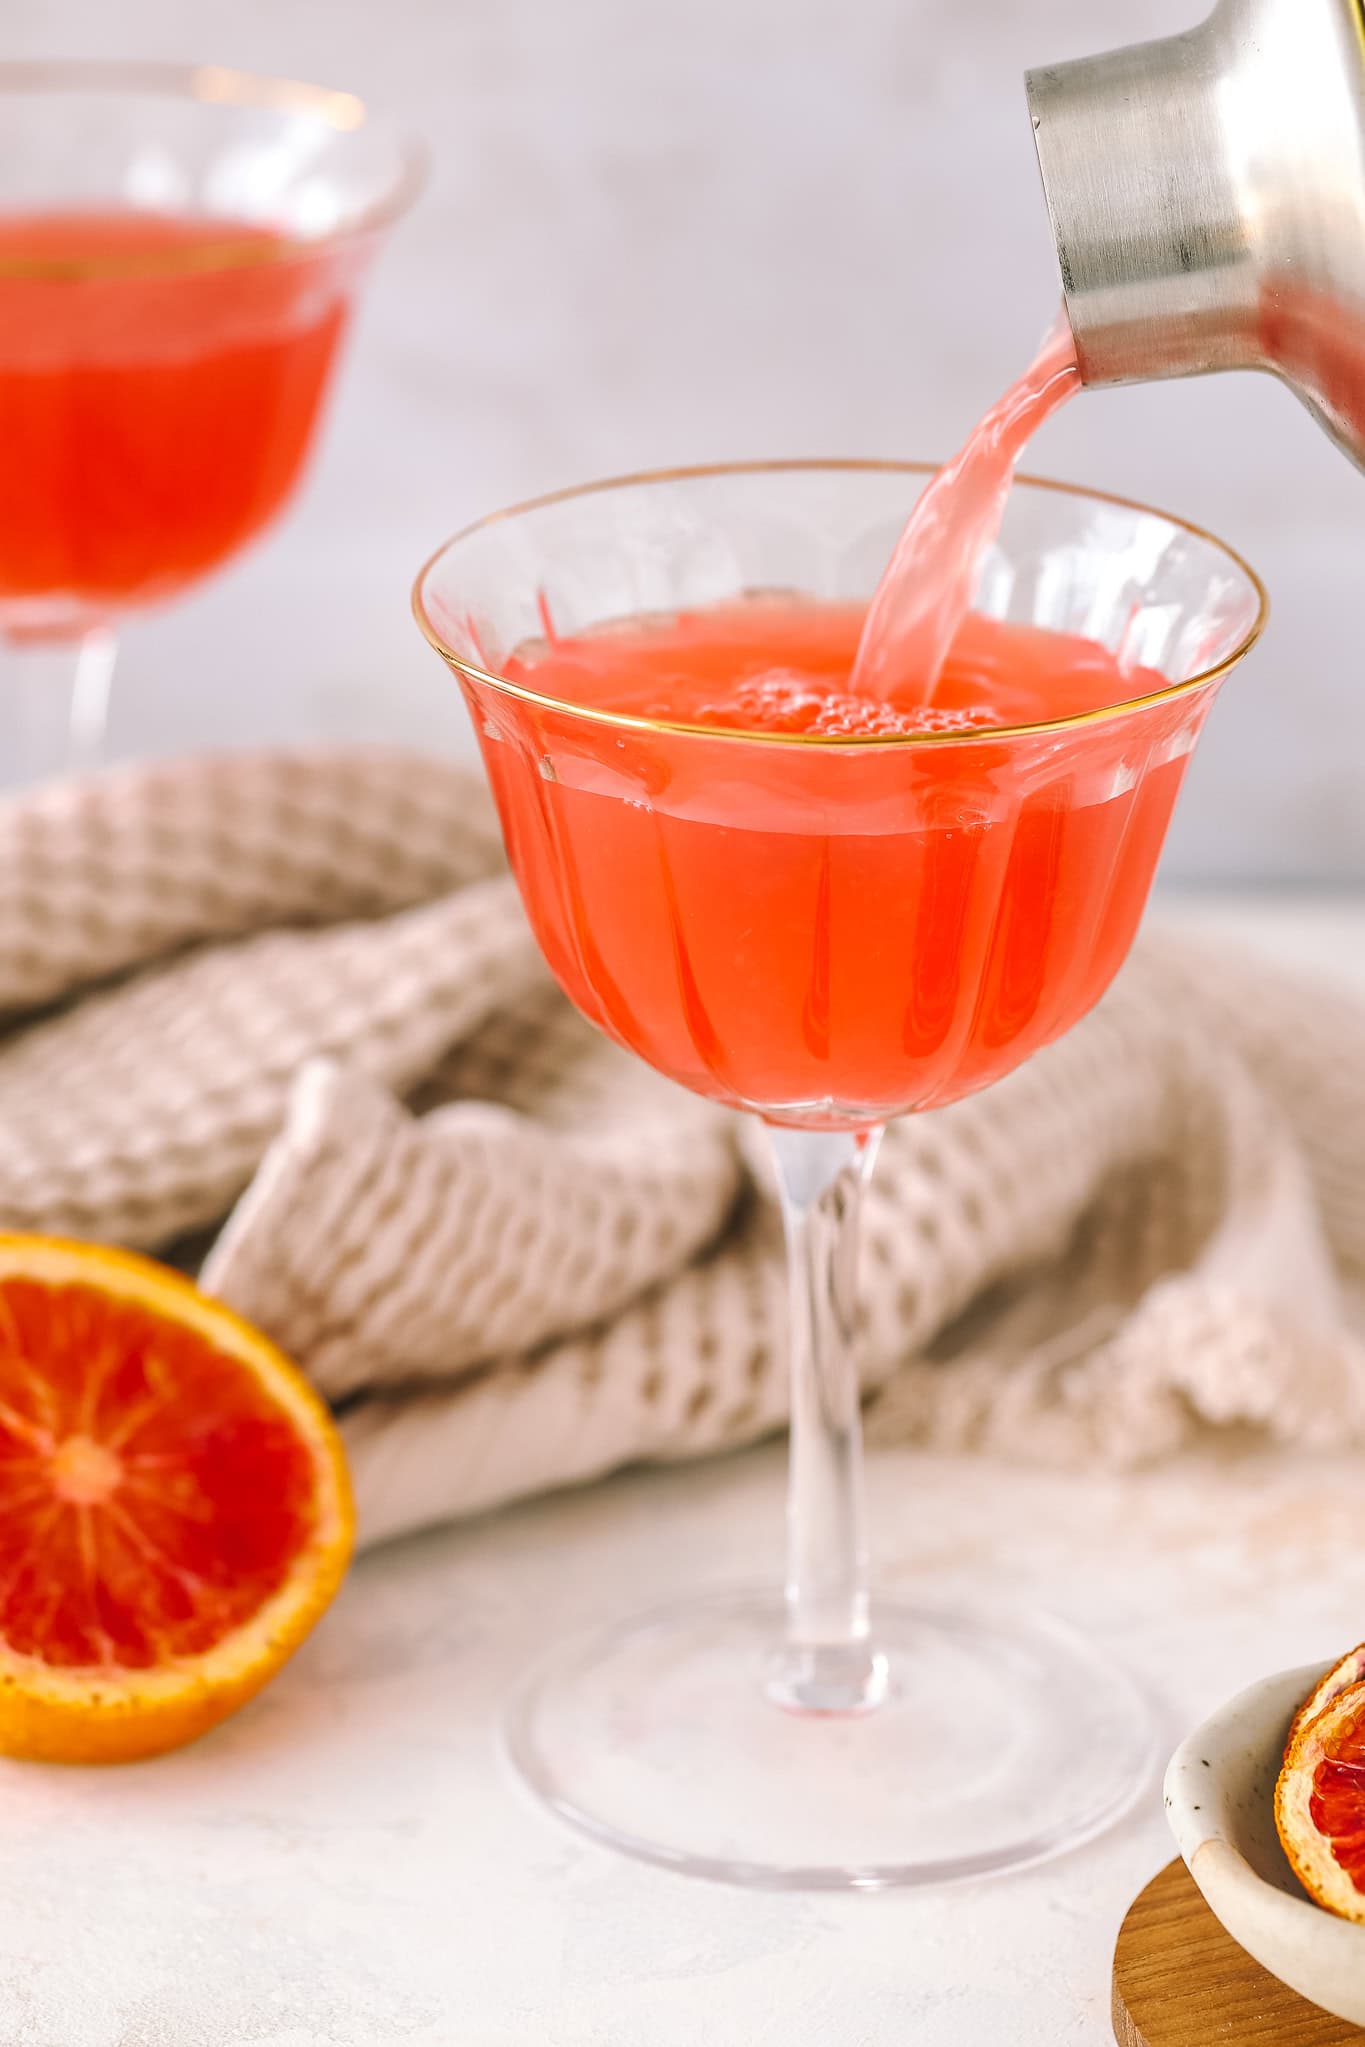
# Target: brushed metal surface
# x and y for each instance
(1207, 198)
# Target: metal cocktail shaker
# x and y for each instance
(1207, 195)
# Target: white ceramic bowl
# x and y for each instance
(1220, 1795)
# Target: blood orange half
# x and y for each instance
(1350, 1670)
(1320, 1804)
(174, 1507)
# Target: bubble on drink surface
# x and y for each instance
(780, 701)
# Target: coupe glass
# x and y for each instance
(179, 253)
(826, 933)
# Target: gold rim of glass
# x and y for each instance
(213, 85)
(976, 735)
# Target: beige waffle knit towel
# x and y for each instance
(302, 984)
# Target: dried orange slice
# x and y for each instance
(1320, 1805)
(174, 1507)
(1349, 1671)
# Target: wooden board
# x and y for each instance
(1181, 1981)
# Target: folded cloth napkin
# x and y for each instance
(282, 1012)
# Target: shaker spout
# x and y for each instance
(1155, 252)
(1207, 200)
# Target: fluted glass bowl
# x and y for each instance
(966, 897)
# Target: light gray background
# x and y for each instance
(661, 233)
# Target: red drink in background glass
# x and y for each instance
(160, 379)
(179, 249)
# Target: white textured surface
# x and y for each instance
(348, 1864)
(662, 233)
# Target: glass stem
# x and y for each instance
(828, 1664)
(55, 705)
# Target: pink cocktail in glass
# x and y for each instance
(830, 910)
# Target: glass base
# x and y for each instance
(1001, 1740)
